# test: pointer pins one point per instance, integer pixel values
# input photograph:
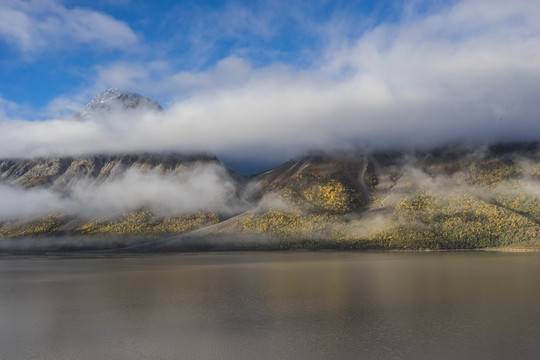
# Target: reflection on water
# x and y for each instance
(303, 305)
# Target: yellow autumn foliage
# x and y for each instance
(42, 226)
(145, 222)
(292, 225)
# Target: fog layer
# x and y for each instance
(467, 71)
(198, 188)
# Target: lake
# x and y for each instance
(271, 305)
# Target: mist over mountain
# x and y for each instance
(452, 197)
(465, 195)
(383, 154)
(103, 185)
(424, 76)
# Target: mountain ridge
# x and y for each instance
(54, 171)
(452, 197)
(449, 198)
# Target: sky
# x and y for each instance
(258, 82)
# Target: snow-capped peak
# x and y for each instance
(115, 99)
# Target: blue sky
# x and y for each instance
(259, 80)
(41, 61)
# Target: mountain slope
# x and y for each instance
(456, 197)
(59, 173)
(451, 197)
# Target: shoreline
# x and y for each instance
(187, 244)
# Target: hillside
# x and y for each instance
(456, 197)
(451, 198)
(61, 173)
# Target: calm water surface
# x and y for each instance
(297, 305)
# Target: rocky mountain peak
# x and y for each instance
(115, 99)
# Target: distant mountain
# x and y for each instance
(118, 100)
(454, 197)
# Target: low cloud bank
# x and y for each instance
(196, 189)
(469, 71)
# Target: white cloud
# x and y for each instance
(196, 188)
(464, 72)
(9, 108)
(18, 202)
(228, 72)
(38, 25)
(15, 27)
(122, 75)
